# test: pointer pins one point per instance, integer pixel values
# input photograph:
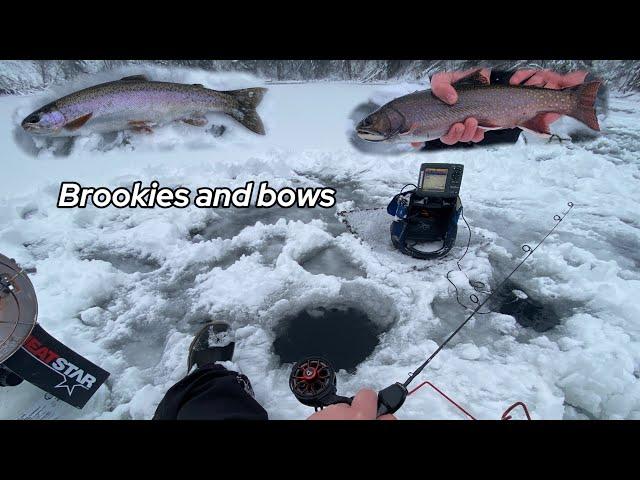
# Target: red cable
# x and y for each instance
(505, 415)
(445, 396)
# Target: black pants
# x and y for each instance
(210, 393)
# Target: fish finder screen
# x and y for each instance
(435, 179)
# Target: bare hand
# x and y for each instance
(441, 86)
(469, 131)
(363, 407)
(441, 83)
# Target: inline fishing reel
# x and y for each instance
(313, 382)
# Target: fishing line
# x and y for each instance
(313, 380)
(525, 248)
(477, 285)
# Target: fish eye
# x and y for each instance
(33, 118)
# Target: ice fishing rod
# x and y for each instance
(525, 248)
(313, 380)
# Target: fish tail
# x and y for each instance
(248, 100)
(584, 109)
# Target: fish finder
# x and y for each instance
(429, 213)
(440, 179)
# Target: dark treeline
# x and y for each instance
(28, 75)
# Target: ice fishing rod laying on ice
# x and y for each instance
(313, 380)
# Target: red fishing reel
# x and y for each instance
(313, 382)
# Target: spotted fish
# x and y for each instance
(420, 116)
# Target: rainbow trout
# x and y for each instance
(420, 116)
(136, 103)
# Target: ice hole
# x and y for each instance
(345, 336)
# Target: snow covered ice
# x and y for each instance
(128, 288)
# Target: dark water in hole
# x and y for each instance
(345, 337)
(528, 312)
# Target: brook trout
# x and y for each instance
(136, 103)
(420, 116)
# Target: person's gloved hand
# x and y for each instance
(363, 407)
(469, 131)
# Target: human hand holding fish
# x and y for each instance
(469, 131)
(441, 86)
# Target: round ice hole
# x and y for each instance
(343, 336)
(528, 312)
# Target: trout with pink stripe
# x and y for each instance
(136, 103)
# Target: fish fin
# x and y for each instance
(537, 125)
(248, 99)
(584, 109)
(140, 126)
(537, 134)
(142, 129)
(196, 121)
(410, 130)
(134, 78)
(474, 78)
(78, 122)
(487, 125)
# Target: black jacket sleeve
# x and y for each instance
(500, 77)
